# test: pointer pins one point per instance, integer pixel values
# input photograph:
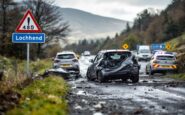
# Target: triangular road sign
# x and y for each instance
(28, 24)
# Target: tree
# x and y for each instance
(128, 27)
(132, 41)
(143, 20)
(9, 17)
(116, 36)
(50, 20)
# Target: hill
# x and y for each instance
(90, 26)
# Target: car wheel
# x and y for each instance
(100, 77)
(124, 80)
(88, 76)
(135, 79)
(151, 72)
(146, 71)
(78, 76)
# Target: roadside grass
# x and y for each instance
(43, 97)
(39, 96)
(179, 76)
(177, 43)
(15, 71)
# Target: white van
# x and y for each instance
(144, 53)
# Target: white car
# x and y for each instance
(67, 61)
(86, 53)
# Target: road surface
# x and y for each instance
(152, 95)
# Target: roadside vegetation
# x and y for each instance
(179, 76)
(14, 71)
(43, 96)
(20, 95)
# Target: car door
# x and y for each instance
(94, 65)
(136, 66)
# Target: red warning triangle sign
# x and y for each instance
(28, 24)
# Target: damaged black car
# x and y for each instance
(114, 64)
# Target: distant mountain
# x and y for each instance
(90, 26)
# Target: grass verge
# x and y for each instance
(43, 97)
(179, 76)
(14, 71)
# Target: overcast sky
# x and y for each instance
(122, 9)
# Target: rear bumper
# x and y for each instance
(160, 70)
(72, 70)
(119, 75)
(144, 58)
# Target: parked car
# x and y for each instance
(86, 53)
(67, 61)
(114, 64)
(162, 63)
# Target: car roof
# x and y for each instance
(114, 50)
(65, 52)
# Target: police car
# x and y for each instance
(162, 62)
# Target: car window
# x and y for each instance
(116, 55)
(165, 58)
(66, 56)
(144, 51)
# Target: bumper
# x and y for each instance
(160, 70)
(73, 69)
(144, 58)
(119, 75)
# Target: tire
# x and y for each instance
(146, 71)
(124, 80)
(88, 76)
(135, 79)
(78, 76)
(100, 77)
(151, 72)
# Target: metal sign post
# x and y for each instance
(28, 31)
(28, 60)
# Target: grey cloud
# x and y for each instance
(138, 2)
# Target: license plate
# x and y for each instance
(66, 65)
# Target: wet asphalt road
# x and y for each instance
(152, 95)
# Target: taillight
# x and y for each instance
(56, 61)
(75, 60)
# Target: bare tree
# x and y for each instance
(49, 18)
(9, 16)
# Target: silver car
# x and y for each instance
(67, 61)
